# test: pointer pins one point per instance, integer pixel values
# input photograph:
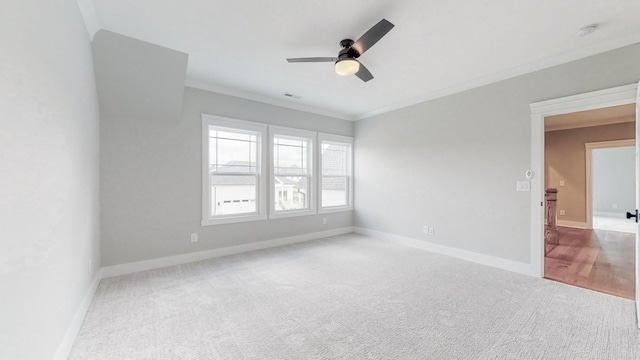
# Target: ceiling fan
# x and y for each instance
(346, 63)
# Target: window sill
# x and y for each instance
(291, 213)
(233, 219)
(334, 209)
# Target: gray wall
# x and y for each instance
(136, 79)
(614, 178)
(452, 163)
(49, 207)
(151, 179)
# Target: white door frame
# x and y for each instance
(621, 95)
(589, 147)
(637, 203)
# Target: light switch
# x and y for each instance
(523, 186)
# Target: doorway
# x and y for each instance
(621, 95)
(596, 259)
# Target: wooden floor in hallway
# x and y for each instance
(599, 260)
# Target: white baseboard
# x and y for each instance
(500, 263)
(78, 318)
(615, 215)
(637, 310)
(573, 224)
(129, 268)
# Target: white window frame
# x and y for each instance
(311, 164)
(261, 185)
(338, 139)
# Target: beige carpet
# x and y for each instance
(350, 297)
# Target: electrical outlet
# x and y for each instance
(562, 212)
(614, 206)
(431, 231)
(561, 182)
(194, 237)
(324, 221)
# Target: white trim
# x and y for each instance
(588, 154)
(130, 268)
(609, 214)
(337, 138)
(76, 323)
(202, 85)
(233, 219)
(496, 262)
(621, 95)
(261, 196)
(573, 224)
(311, 137)
(335, 209)
(594, 100)
(637, 138)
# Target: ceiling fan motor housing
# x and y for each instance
(347, 51)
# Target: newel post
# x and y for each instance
(551, 229)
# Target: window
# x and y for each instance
(248, 176)
(234, 185)
(292, 164)
(336, 171)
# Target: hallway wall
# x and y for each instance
(565, 161)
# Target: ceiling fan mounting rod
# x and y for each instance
(346, 43)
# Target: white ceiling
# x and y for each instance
(436, 48)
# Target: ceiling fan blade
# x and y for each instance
(372, 36)
(313, 59)
(364, 73)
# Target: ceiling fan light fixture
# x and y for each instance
(347, 67)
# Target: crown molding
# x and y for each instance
(203, 85)
(559, 59)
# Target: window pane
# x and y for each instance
(334, 191)
(334, 158)
(234, 155)
(291, 192)
(290, 156)
(232, 151)
(233, 194)
(233, 135)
